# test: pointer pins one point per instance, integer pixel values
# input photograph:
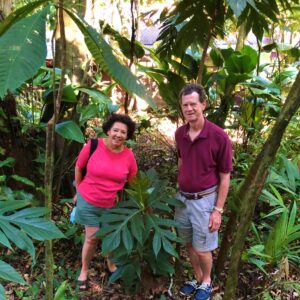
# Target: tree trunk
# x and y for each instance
(240, 41)
(50, 146)
(77, 53)
(251, 188)
(5, 8)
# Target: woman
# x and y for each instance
(107, 170)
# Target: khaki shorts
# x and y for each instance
(193, 222)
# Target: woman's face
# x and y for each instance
(117, 134)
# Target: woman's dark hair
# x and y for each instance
(108, 124)
(192, 87)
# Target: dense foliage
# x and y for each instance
(247, 87)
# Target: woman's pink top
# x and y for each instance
(106, 174)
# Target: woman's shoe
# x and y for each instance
(82, 285)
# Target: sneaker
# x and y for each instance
(203, 291)
(188, 288)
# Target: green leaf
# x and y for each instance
(216, 57)
(22, 51)
(137, 227)
(2, 292)
(11, 205)
(111, 217)
(20, 239)
(169, 248)
(111, 242)
(7, 272)
(252, 57)
(116, 275)
(127, 239)
(19, 14)
(70, 131)
(4, 241)
(95, 94)
(88, 112)
(60, 293)
(237, 6)
(68, 95)
(37, 228)
(103, 54)
(23, 180)
(7, 162)
(156, 243)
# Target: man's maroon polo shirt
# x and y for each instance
(203, 158)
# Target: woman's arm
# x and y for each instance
(78, 176)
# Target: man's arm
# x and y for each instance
(216, 217)
(223, 189)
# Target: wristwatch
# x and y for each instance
(218, 209)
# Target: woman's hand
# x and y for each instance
(75, 199)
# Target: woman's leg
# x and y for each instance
(88, 251)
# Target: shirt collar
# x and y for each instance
(204, 132)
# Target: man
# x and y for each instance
(204, 165)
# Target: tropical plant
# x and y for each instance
(138, 232)
(25, 52)
(19, 224)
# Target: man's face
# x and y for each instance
(192, 108)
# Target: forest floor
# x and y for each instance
(67, 258)
(253, 284)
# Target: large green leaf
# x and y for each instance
(19, 14)
(7, 272)
(22, 51)
(11, 205)
(38, 228)
(70, 131)
(18, 237)
(103, 54)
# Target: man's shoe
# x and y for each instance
(203, 291)
(188, 288)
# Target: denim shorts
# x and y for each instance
(88, 214)
(193, 222)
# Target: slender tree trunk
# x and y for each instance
(49, 159)
(251, 188)
(133, 7)
(207, 41)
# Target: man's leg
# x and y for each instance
(205, 265)
(88, 251)
(195, 261)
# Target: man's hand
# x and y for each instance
(214, 221)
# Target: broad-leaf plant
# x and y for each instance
(139, 232)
